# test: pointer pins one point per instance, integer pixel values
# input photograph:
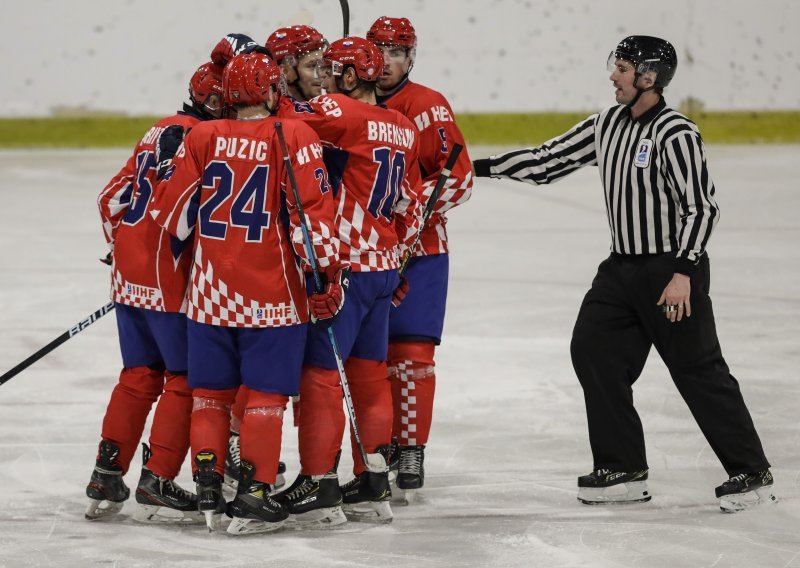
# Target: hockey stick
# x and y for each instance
(431, 203)
(345, 17)
(74, 330)
(348, 399)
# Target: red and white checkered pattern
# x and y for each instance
(363, 251)
(408, 376)
(135, 295)
(211, 302)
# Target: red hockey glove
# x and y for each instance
(401, 291)
(326, 305)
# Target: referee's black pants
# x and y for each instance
(617, 323)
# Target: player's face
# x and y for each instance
(307, 75)
(396, 63)
(623, 76)
(213, 105)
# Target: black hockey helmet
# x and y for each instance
(648, 53)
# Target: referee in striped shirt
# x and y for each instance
(653, 288)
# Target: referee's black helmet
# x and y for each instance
(649, 53)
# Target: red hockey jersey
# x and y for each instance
(150, 268)
(229, 185)
(372, 155)
(434, 118)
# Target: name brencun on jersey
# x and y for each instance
(390, 133)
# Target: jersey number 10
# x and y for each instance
(388, 180)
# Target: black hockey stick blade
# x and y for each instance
(345, 17)
(71, 332)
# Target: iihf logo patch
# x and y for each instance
(643, 152)
(130, 289)
(260, 314)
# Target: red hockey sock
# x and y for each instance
(260, 436)
(321, 421)
(237, 410)
(372, 400)
(211, 418)
(133, 397)
(169, 436)
(411, 369)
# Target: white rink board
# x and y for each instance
(509, 436)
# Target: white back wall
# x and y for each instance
(136, 56)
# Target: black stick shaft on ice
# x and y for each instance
(69, 334)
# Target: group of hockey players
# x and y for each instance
(256, 238)
(284, 237)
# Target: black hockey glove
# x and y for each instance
(107, 260)
(166, 146)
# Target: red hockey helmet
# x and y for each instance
(248, 79)
(205, 82)
(393, 31)
(296, 41)
(363, 55)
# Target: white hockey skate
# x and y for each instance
(609, 487)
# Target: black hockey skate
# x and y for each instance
(314, 501)
(745, 491)
(367, 497)
(606, 486)
(253, 510)
(393, 459)
(234, 458)
(106, 490)
(210, 501)
(411, 471)
(161, 500)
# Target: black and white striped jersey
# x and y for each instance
(659, 195)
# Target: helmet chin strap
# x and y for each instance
(340, 86)
(639, 92)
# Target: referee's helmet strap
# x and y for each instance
(649, 53)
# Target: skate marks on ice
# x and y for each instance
(509, 438)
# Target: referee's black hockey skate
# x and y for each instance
(253, 510)
(745, 491)
(367, 497)
(410, 471)
(606, 486)
(161, 500)
(106, 489)
(210, 501)
(314, 501)
(234, 457)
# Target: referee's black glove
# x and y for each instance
(482, 167)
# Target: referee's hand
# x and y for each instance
(674, 299)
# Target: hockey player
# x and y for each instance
(247, 304)
(298, 50)
(149, 274)
(415, 326)
(228, 47)
(377, 149)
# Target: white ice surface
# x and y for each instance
(509, 436)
